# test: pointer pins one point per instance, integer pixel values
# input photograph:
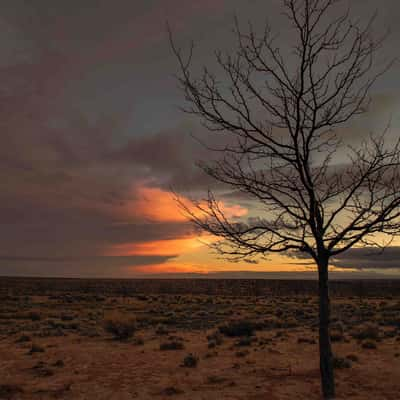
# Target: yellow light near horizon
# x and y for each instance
(160, 247)
(159, 205)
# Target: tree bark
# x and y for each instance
(325, 349)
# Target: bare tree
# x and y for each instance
(282, 115)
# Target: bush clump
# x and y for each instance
(341, 363)
(172, 345)
(352, 357)
(369, 344)
(237, 328)
(214, 339)
(244, 341)
(190, 361)
(367, 331)
(34, 316)
(23, 339)
(121, 326)
(161, 330)
(9, 391)
(35, 349)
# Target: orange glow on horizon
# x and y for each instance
(189, 253)
(159, 205)
(171, 247)
(170, 269)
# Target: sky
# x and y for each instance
(93, 139)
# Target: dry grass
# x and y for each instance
(229, 346)
(120, 325)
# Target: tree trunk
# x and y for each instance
(325, 349)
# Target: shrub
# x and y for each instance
(120, 326)
(242, 353)
(237, 328)
(369, 344)
(367, 331)
(35, 316)
(305, 340)
(215, 339)
(173, 345)
(23, 339)
(9, 391)
(139, 341)
(59, 364)
(35, 349)
(352, 357)
(190, 361)
(244, 341)
(213, 379)
(161, 330)
(67, 317)
(341, 363)
(337, 336)
(171, 391)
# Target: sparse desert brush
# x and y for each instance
(337, 336)
(120, 325)
(67, 317)
(35, 316)
(338, 326)
(352, 357)
(213, 379)
(190, 361)
(214, 339)
(172, 345)
(23, 339)
(139, 341)
(161, 330)
(366, 331)
(306, 340)
(289, 323)
(171, 391)
(244, 341)
(210, 355)
(9, 391)
(243, 353)
(35, 348)
(369, 344)
(272, 323)
(58, 364)
(237, 328)
(390, 333)
(341, 363)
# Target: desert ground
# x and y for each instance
(59, 341)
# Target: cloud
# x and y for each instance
(90, 267)
(369, 258)
(365, 258)
(89, 142)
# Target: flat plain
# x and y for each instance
(193, 339)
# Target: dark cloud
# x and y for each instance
(87, 116)
(365, 258)
(369, 258)
(107, 267)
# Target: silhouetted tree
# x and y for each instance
(281, 114)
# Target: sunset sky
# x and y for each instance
(93, 139)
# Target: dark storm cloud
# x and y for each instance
(369, 258)
(88, 113)
(366, 258)
(171, 157)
